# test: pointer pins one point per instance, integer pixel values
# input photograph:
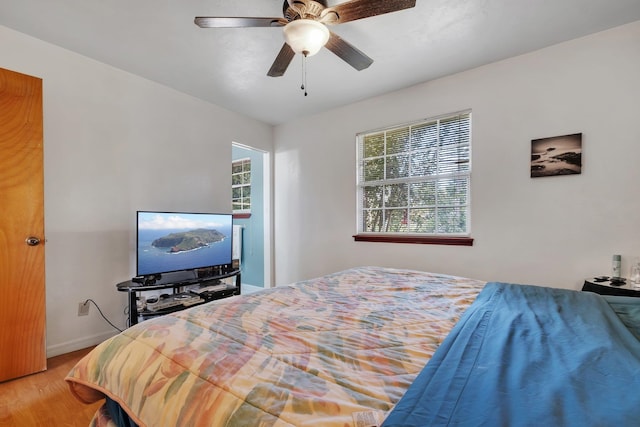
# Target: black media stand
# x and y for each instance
(184, 294)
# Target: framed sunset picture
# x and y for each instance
(558, 155)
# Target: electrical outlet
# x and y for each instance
(83, 308)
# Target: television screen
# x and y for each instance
(174, 241)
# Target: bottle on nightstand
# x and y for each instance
(616, 265)
(634, 274)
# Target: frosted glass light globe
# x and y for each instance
(306, 36)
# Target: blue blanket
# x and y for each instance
(531, 356)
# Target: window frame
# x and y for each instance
(440, 238)
(241, 212)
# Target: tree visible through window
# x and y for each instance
(415, 179)
(241, 185)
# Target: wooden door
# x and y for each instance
(22, 289)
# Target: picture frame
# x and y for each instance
(557, 155)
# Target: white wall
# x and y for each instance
(116, 143)
(552, 231)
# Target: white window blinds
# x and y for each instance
(415, 179)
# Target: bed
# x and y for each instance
(318, 352)
(374, 346)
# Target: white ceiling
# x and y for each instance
(158, 40)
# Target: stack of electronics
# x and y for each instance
(163, 302)
(210, 293)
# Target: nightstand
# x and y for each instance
(604, 286)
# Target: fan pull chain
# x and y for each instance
(304, 73)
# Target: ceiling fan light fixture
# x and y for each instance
(306, 36)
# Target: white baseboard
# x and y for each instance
(78, 344)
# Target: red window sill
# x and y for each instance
(241, 215)
(424, 240)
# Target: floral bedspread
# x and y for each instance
(324, 352)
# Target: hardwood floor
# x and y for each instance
(44, 399)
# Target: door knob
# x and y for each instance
(33, 241)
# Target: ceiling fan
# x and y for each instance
(305, 29)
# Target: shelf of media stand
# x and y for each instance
(197, 286)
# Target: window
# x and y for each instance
(414, 180)
(241, 186)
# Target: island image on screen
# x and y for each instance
(174, 241)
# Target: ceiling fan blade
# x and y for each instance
(358, 9)
(282, 61)
(237, 22)
(348, 53)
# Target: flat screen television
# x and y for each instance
(180, 241)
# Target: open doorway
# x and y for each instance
(251, 215)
